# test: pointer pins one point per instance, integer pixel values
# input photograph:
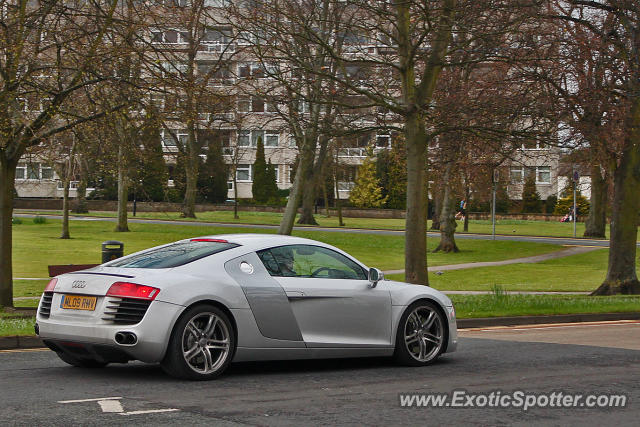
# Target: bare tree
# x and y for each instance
(49, 52)
(614, 27)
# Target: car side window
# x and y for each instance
(310, 262)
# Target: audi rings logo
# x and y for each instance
(79, 284)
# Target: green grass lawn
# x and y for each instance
(495, 305)
(514, 227)
(37, 245)
(583, 272)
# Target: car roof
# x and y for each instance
(261, 241)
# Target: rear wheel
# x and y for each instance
(202, 344)
(80, 363)
(422, 334)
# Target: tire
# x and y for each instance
(201, 345)
(80, 363)
(421, 346)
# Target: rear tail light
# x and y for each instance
(204, 239)
(133, 290)
(51, 285)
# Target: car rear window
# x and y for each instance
(174, 255)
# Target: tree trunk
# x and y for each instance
(308, 182)
(447, 217)
(415, 236)
(621, 274)
(326, 200)
(235, 196)
(80, 205)
(308, 203)
(7, 177)
(290, 211)
(339, 205)
(65, 205)
(595, 225)
(437, 207)
(191, 172)
(123, 192)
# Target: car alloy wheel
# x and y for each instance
(422, 334)
(202, 344)
(205, 343)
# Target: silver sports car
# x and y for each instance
(196, 305)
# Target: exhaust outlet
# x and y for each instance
(126, 338)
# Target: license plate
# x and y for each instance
(78, 302)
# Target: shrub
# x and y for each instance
(16, 221)
(550, 204)
(530, 198)
(39, 220)
(566, 203)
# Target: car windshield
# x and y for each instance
(174, 255)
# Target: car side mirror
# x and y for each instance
(375, 276)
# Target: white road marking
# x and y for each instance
(152, 411)
(113, 405)
(110, 406)
(89, 400)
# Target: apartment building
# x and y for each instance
(233, 91)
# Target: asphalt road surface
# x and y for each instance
(537, 239)
(38, 389)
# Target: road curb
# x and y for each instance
(483, 322)
(18, 342)
(32, 341)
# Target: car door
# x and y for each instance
(331, 296)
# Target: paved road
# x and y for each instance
(552, 240)
(585, 359)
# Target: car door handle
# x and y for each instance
(295, 294)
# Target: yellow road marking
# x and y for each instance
(552, 325)
(24, 350)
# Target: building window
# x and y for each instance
(244, 104)
(173, 138)
(243, 173)
(244, 138)
(46, 172)
(229, 185)
(517, 175)
(21, 171)
(520, 173)
(271, 139)
(255, 135)
(249, 138)
(257, 70)
(33, 171)
(383, 141)
(277, 169)
(170, 36)
(543, 174)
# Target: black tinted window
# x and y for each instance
(174, 255)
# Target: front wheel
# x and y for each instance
(202, 344)
(422, 334)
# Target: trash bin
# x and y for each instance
(112, 249)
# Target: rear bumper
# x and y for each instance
(97, 340)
